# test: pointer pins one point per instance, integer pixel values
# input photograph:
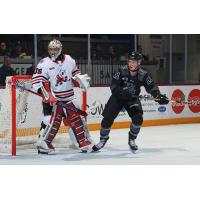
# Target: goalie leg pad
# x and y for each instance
(79, 130)
(49, 131)
(86, 133)
(55, 120)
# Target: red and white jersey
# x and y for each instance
(59, 74)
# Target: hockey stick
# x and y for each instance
(73, 108)
(172, 101)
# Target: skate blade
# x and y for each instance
(46, 153)
(133, 150)
(95, 151)
(86, 150)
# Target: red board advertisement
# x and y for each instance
(194, 100)
(178, 96)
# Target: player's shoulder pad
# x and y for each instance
(69, 59)
(66, 56)
(43, 62)
(141, 74)
(123, 67)
(124, 70)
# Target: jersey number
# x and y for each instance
(38, 71)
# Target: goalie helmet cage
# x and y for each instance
(23, 79)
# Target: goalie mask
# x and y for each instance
(54, 49)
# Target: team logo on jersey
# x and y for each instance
(60, 78)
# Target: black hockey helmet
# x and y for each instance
(135, 56)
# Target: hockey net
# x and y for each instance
(21, 116)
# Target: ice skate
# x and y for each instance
(85, 146)
(44, 148)
(100, 145)
(132, 145)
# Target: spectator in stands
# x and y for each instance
(98, 53)
(30, 70)
(3, 49)
(18, 52)
(111, 54)
(139, 50)
(6, 70)
(123, 58)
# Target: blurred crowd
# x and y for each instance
(7, 70)
(14, 51)
(21, 49)
(113, 54)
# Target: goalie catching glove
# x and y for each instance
(83, 80)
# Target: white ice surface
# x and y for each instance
(173, 144)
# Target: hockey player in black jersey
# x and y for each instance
(125, 88)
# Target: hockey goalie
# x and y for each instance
(54, 79)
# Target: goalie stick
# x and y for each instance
(73, 108)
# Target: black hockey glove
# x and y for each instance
(162, 99)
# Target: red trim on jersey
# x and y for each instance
(64, 94)
(75, 83)
(38, 80)
(76, 73)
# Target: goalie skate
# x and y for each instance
(44, 148)
(85, 146)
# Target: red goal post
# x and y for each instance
(24, 121)
(13, 97)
